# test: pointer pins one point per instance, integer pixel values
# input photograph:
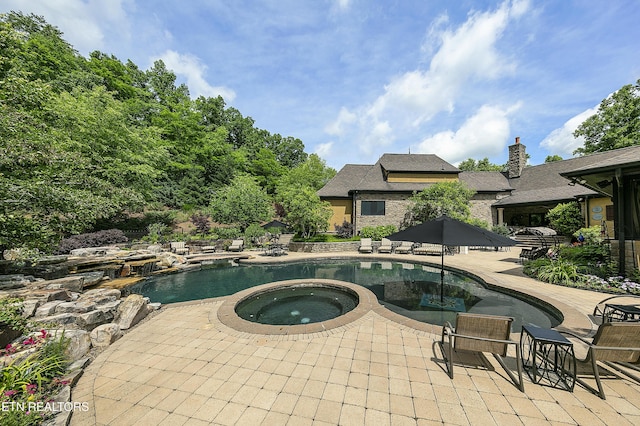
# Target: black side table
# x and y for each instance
(548, 355)
(612, 312)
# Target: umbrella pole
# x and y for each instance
(442, 275)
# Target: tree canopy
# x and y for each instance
(616, 124)
(471, 165)
(444, 198)
(87, 139)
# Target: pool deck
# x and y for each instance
(186, 366)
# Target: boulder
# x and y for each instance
(79, 342)
(131, 311)
(71, 283)
(67, 319)
(104, 335)
(93, 319)
(90, 278)
(29, 307)
(101, 295)
(79, 306)
(48, 308)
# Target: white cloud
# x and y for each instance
(485, 134)
(192, 69)
(324, 149)
(83, 23)
(561, 141)
(345, 118)
(464, 55)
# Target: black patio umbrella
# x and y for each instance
(450, 232)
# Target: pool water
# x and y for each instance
(297, 305)
(411, 290)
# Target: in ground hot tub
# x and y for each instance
(297, 304)
(297, 307)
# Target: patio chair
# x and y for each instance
(428, 248)
(481, 333)
(614, 342)
(236, 245)
(179, 247)
(385, 246)
(365, 245)
(404, 247)
(626, 308)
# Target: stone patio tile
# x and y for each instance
(174, 419)
(275, 418)
(583, 416)
(399, 386)
(328, 411)
(252, 416)
(377, 383)
(190, 405)
(285, 403)
(306, 407)
(152, 417)
(493, 402)
(192, 383)
(154, 397)
(401, 405)
(553, 411)
(132, 416)
(524, 407)
(510, 419)
(478, 416)
(376, 417)
(377, 400)
(426, 409)
(352, 415)
(209, 387)
(275, 382)
(108, 409)
(209, 409)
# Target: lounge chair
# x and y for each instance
(365, 245)
(179, 247)
(614, 342)
(404, 247)
(481, 333)
(428, 248)
(385, 246)
(236, 245)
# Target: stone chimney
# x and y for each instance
(517, 159)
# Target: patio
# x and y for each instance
(184, 366)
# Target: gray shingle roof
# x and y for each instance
(486, 181)
(416, 163)
(344, 181)
(629, 156)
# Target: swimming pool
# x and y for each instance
(409, 289)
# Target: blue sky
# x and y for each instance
(354, 79)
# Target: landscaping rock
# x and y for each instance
(49, 295)
(13, 281)
(93, 319)
(29, 307)
(69, 320)
(131, 311)
(79, 306)
(71, 283)
(91, 278)
(101, 295)
(79, 343)
(104, 335)
(48, 309)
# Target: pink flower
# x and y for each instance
(29, 341)
(44, 334)
(10, 393)
(32, 388)
(9, 349)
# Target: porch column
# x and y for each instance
(500, 215)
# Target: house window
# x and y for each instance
(609, 213)
(373, 208)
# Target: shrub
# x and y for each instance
(93, 239)
(565, 218)
(156, 232)
(227, 233)
(377, 233)
(253, 234)
(592, 235)
(559, 272)
(11, 314)
(345, 230)
(501, 230)
(201, 222)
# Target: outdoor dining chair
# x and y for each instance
(481, 333)
(616, 345)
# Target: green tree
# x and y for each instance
(565, 218)
(243, 202)
(313, 173)
(552, 158)
(616, 124)
(305, 212)
(471, 165)
(444, 198)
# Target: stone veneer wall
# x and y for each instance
(632, 254)
(395, 208)
(481, 208)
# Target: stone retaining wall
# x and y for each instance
(324, 247)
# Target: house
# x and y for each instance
(378, 194)
(616, 174)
